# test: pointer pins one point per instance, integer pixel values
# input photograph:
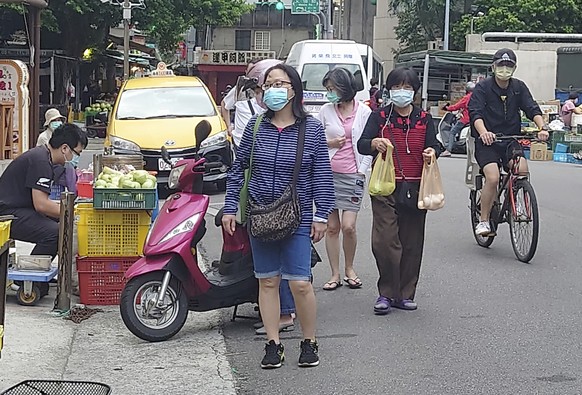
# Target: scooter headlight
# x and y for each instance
(185, 226)
(175, 176)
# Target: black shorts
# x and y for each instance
(498, 152)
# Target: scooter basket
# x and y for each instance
(57, 387)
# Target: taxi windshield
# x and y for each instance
(169, 102)
(313, 73)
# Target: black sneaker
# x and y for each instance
(308, 355)
(274, 355)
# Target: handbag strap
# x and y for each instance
(255, 129)
(394, 145)
(251, 107)
(299, 155)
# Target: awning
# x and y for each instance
(135, 60)
(563, 50)
(416, 59)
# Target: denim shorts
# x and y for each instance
(289, 258)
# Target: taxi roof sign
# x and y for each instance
(162, 71)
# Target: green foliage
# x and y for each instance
(532, 16)
(167, 20)
(82, 24)
(421, 21)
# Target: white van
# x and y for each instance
(314, 58)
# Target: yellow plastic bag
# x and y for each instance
(383, 178)
(431, 194)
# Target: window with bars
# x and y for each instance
(262, 41)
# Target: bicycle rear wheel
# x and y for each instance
(524, 221)
(475, 199)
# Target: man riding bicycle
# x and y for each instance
(494, 109)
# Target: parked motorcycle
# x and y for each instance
(169, 280)
(444, 127)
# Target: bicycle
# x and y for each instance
(515, 204)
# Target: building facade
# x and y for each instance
(266, 32)
(385, 42)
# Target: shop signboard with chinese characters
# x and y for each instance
(14, 78)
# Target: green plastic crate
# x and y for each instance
(557, 137)
(124, 199)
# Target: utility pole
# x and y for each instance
(126, 19)
(329, 20)
(127, 5)
(447, 21)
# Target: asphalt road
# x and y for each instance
(486, 323)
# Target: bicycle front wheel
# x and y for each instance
(524, 221)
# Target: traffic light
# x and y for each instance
(279, 5)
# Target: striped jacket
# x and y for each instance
(273, 164)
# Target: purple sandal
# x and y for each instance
(404, 304)
(382, 305)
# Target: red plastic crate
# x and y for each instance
(101, 279)
(85, 190)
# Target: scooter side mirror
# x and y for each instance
(166, 155)
(202, 132)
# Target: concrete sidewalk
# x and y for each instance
(41, 345)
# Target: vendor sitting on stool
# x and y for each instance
(26, 183)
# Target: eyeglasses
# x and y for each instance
(278, 84)
(72, 149)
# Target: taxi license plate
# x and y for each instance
(163, 166)
(313, 108)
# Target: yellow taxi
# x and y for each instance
(162, 110)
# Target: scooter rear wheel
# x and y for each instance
(145, 320)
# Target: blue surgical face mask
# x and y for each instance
(332, 97)
(401, 97)
(55, 124)
(74, 160)
(275, 98)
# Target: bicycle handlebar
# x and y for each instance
(502, 137)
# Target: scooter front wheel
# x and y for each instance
(148, 320)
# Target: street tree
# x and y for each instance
(421, 21)
(166, 21)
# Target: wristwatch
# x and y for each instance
(545, 128)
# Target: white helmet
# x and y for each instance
(470, 86)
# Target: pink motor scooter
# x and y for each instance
(168, 281)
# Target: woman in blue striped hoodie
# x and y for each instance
(275, 148)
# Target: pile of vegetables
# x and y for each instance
(98, 107)
(134, 179)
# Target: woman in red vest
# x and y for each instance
(398, 225)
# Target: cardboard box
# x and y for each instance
(537, 155)
(458, 87)
(538, 151)
(549, 155)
